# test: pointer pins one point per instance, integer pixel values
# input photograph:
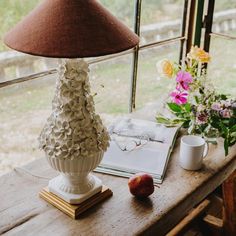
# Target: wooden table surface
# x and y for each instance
(22, 212)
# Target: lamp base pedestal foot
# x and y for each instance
(74, 210)
(57, 185)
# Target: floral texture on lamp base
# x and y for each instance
(74, 138)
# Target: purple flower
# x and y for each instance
(226, 113)
(179, 97)
(216, 106)
(184, 79)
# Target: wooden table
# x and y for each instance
(22, 212)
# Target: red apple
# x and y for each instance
(141, 185)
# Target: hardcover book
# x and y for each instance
(138, 146)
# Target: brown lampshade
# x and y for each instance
(70, 29)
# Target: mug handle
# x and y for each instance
(206, 149)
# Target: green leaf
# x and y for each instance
(162, 120)
(226, 121)
(224, 128)
(174, 107)
(233, 134)
(226, 147)
(233, 128)
(186, 124)
(187, 107)
(223, 96)
(196, 99)
(169, 122)
(178, 120)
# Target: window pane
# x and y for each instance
(23, 111)
(150, 88)
(111, 81)
(122, 9)
(161, 20)
(225, 17)
(11, 12)
(14, 64)
(222, 69)
(25, 107)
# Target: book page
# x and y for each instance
(150, 158)
(144, 129)
(138, 146)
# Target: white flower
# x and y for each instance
(73, 130)
(90, 104)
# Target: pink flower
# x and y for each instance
(184, 79)
(201, 118)
(226, 113)
(179, 97)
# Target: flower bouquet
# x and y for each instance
(195, 103)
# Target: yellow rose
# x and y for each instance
(199, 55)
(165, 68)
(203, 56)
(193, 53)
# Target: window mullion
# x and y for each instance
(208, 24)
(184, 28)
(199, 23)
(191, 22)
(134, 72)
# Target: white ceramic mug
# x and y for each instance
(192, 151)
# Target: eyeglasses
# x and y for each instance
(128, 144)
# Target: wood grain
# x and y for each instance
(229, 202)
(213, 222)
(188, 221)
(120, 215)
(74, 211)
(22, 212)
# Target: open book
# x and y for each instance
(138, 146)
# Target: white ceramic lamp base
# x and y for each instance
(74, 138)
(60, 187)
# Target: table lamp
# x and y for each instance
(73, 138)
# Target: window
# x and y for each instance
(122, 82)
(215, 31)
(222, 45)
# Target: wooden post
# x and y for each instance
(184, 225)
(229, 203)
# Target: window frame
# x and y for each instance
(185, 38)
